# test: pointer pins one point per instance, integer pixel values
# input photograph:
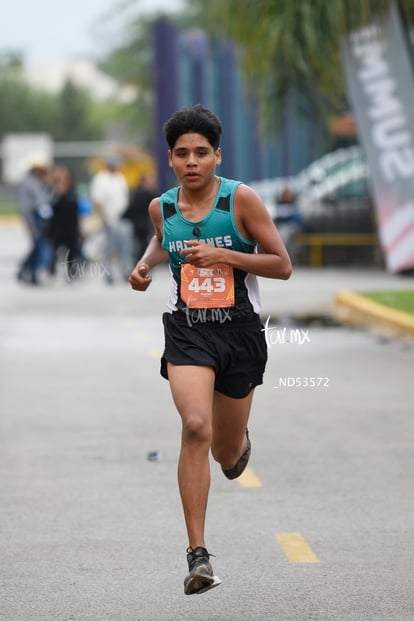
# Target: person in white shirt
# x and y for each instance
(110, 196)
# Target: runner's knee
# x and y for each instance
(196, 429)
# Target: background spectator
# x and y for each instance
(64, 231)
(110, 195)
(137, 212)
(34, 195)
(289, 220)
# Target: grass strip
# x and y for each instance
(402, 300)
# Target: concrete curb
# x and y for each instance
(358, 310)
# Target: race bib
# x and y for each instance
(207, 287)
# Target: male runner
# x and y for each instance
(210, 229)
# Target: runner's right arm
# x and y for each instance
(154, 253)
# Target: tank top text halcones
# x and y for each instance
(219, 293)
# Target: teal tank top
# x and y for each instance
(217, 228)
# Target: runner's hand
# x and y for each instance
(139, 278)
(200, 254)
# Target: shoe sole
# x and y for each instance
(200, 584)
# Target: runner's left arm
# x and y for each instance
(253, 222)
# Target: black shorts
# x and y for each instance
(236, 351)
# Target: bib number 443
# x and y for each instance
(211, 287)
(215, 284)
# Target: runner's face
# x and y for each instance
(194, 160)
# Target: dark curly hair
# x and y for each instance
(198, 120)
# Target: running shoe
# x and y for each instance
(239, 467)
(201, 577)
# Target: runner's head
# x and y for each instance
(197, 120)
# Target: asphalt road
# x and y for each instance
(91, 530)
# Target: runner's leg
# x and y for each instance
(230, 418)
(192, 388)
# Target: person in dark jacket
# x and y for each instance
(64, 230)
(137, 212)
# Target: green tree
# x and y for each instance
(292, 44)
(131, 63)
(70, 115)
(75, 118)
(23, 109)
(10, 61)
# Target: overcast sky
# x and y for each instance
(46, 30)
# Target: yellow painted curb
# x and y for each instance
(363, 311)
(89, 223)
(10, 219)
